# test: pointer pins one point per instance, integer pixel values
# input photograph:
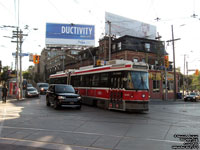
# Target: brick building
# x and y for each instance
(128, 48)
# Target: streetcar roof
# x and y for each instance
(107, 68)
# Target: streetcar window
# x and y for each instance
(137, 80)
(95, 80)
(88, 79)
(104, 80)
(75, 81)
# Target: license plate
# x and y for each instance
(71, 102)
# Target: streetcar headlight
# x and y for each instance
(143, 95)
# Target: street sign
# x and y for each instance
(31, 57)
(22, 54)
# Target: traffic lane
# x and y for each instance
(97, 125)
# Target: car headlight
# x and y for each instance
(42, 89)
(79, 98)
(61, 97)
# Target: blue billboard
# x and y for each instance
(70, 34)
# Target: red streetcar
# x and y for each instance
(121, 85)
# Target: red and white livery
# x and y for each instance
(121, 85)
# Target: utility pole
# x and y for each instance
(187, 75)
(109, 53)
(21, 35)
(184, 77)
(166, 91)
(174, 60)
(16, 35)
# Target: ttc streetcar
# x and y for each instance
(120, 85)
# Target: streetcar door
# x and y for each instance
(116, 89)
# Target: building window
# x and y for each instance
(119, 46)
(135, 59)
(156, 86)
(143, 60)
(156, 62)
(113, 47)
(147, 47)
(74, 52)
(84, 55)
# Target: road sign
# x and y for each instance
(22, 54)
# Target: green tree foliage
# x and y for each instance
(4, 75)
(27, 75)
(195, 84)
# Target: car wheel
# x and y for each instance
(47, 102)
(55, 105)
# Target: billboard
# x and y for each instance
(70, 34)
(121, 26)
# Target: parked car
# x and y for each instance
(192, 96)
(42, 87)
(62, 95)
(31, 92)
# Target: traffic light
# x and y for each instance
(36, 59)
(166, 61)
(98, 62)
(196, 72)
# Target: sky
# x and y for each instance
(36, 13)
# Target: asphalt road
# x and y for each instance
(29, 125)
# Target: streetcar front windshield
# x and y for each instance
(137, 80)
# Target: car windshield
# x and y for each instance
(192, 93)
(64, 89)
(29, 85)
(43, 85)
(30, 89)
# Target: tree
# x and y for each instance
(5, 74)
(27, 75)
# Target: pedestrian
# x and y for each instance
(4, 93)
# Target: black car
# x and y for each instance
(62, 95)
